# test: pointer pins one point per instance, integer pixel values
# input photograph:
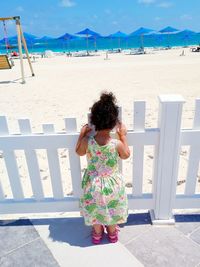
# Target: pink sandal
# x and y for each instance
(96, 238)
(113, 237)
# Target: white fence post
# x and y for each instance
(138, 157)
(167, 158)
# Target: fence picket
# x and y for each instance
(166, 140)
(2, 197)
(11, 164)
(138, 156)
(194, 156)
(167, 157)
(120, 119)
(74, 160)
(3, 131)
(54, 166)
(13, 174)
(32, 162)
(3, 126)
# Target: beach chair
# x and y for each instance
(196, 49)
(138, 51)
(4, 63)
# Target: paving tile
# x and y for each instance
(187, 223)
(165, 246)
(136, 225)
(14, 234)
(195, 236)
(70, 231)
(73, 231)
(70, 243)
(34, 254)
(138, 219)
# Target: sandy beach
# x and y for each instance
(67, 86)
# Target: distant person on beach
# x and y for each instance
(104, 202)
(14, 54)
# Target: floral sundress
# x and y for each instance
(104, 199)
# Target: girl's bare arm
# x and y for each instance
(82, 143)
(122, 146)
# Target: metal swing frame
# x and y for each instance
(21, 40)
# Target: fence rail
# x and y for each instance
(166, 140)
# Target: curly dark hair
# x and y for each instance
(104, 113)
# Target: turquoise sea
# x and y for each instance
(80, 44)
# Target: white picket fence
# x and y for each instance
(167, 140)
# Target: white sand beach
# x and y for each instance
(67, 86)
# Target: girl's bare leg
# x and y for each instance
(111, 228)
(97, 228)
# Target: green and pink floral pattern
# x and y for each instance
(104, 200)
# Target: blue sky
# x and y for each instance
(55, 17)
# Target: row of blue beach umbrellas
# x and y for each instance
(89, 34)
(120, 35)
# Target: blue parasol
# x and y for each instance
(44, 38)
(186, 35)
(88, 33)
(169, 31)
(155, 35)
(66, 37)
(94, 37)
(118, 35)
(140, 32)
(30, 39)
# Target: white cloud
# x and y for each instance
(165, 4)
(146, 1)
(185, 17)
(67, 3)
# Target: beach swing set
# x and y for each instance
(5, 62)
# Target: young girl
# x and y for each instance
(104, 201)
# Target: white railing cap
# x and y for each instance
(171, 98)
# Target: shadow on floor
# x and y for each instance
(74, 232)
(184, 218)
(7, 82)
(18, 80)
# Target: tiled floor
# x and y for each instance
(169, 246)
(22, 244)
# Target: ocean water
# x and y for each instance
(82, 44)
